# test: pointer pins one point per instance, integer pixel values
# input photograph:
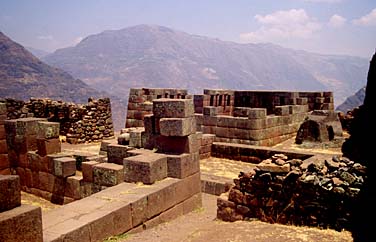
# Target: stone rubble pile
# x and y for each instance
(318, 192)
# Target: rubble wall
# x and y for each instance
(319, 191)
(80, 123)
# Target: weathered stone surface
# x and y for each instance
(116, 153)
(177, 126)
(146, 168)
(108, 174)
(10, 192)
(181, 166)
(282, 110)
(23, 223)
(64, 166)
(255, 113)
(48, 146)
(87, 170)
(173, 108)
(48, 130)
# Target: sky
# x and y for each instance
(345, 27)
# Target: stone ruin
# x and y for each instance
(151, 174)
(262, 118)
(87, 123)
(128, 190)
(319, 126)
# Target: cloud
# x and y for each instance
(280, 25)
(323, 1)
(45, 37)
(336, 21)
(367, 20)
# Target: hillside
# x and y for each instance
(24, 76)
(155, 56)
(353, 101)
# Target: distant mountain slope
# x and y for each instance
(37, 52)
(155, 56)
(353, 101)
(22, 76)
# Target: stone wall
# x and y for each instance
(80, 123)
(17, 222)
(246, 117)
(4, 161)
(140, 102)
(318, 192)
(253, 126)
(34, 151)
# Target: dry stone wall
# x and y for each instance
(318, 192)
(80, 123)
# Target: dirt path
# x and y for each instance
(201, 226)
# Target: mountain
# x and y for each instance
(37, 52)
(353, 101)
(24, 76)
(156, 56)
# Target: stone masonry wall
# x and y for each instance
(253, 126)
(34, 151)
(80, 123)
(4, 161)
(140, 102)
(318, 192)
(18, 222)
(246, 117)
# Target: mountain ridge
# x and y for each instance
(24, 76)
(157, 56)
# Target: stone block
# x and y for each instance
(188, 187)
(183, 165)
(3, 147)
(177, 126)
(28, 126)
(87, 170)
(255, 113)
(23, 223)
(46, 181)
(301, 101)
(273, 168)
(135, 138)
(2, 131)
(108, 174)
(146, 168)
(73, 187)
(210, 111)
(4, 161)
(282, 110)
(241, 112)
(116, 153)
(48, 146)
(178, 145)
(48, 130)
(10, 195)
(64, 166)
(173, 108)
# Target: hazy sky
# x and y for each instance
(324, 26)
